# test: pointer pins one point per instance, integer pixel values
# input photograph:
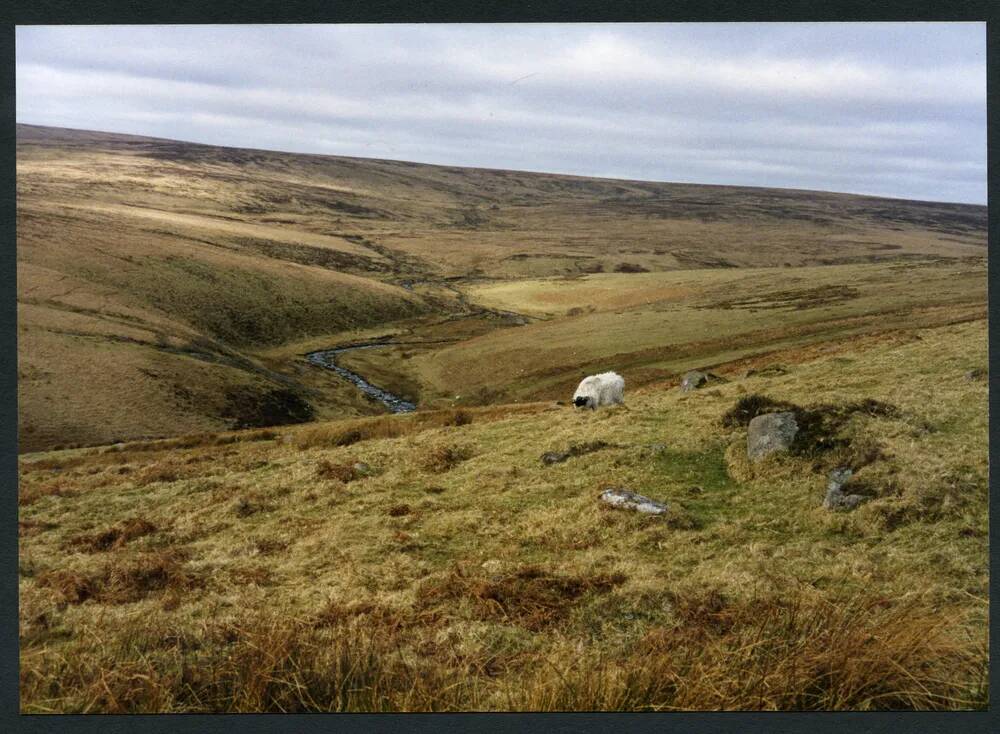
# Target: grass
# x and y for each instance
(649, 327)
(334, 558)
(461, 572)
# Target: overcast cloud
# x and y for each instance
(896, 109)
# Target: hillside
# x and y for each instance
(210, 520)
(432, 561)
(166, 288)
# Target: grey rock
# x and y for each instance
(851, 501)
(835, 498)
(576, 449)
(838, 478)
(627, 500)
(770, 433)
(693, 380)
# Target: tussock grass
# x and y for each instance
(341, 472)
(123, 580)
(532, 597)
(788, 652)
(114, 537)
(503, 582)
(346, 433)
(440, 459)
(791, 651)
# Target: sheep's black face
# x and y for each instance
(580, 402)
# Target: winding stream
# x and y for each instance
(326, 358)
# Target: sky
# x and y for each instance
(891, 109)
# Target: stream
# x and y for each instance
(326, 358)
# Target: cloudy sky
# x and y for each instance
(893, 109)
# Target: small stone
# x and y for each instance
(693, 380)
(835, 498)
(627, 500)
(770, 433)
(361, 469)
(839, 477)
(851, 501)
(554, 457)
(576, 449)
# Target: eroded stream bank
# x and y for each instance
(326, 358)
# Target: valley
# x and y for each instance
(296, 435)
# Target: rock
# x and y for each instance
(696, 378)
(626, 500)
(770, 433)
(839, 477)
(577, 449)
(693, 380)
(834, 488)
(976, 374)
(835, 498)
(361, 469)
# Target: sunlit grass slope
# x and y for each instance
(432, 561)
(164, 286)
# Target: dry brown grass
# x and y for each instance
(440, 459)
(123, 580)
(54, 488)
(345, 472)
(347, 433)
(767, 652)
(115, 537)
(531, 597)
(788, 652)
(502, 587)
(271, 663)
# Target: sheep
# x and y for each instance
(607, 388)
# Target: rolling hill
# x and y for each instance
(166, 287)
(210, 522)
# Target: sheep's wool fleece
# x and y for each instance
(606, 388)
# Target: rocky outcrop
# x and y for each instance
(626, 500)
(770, 433)
(835, 498)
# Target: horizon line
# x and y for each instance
(489, 168)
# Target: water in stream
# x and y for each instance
(326, 359)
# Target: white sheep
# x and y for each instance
(607, 388)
